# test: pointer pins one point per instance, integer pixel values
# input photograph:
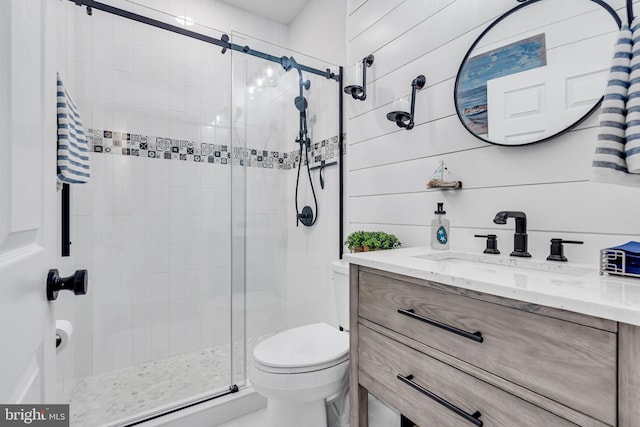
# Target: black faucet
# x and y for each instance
(520, 237)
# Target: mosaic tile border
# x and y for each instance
(155, 147)
(138, 145)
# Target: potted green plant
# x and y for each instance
(371, 241)
(388, 241)
(354, 241)
(360, 241)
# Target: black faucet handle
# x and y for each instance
(492, 243)
(557, 249)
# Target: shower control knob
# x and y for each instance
(306, 216)
(77, 283)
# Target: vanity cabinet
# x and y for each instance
(447, 356)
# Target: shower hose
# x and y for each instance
(306, 217)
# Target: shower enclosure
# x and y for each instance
(188, 227)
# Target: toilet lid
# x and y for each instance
(305, 346)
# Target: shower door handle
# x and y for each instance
(78, 283)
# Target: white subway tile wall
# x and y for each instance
(154, 234)
(319, 31)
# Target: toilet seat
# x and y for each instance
(304, 349)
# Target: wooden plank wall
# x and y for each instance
(389, 167)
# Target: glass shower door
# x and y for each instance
(154, 225)
(286, 266)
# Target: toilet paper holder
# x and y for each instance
(77, 283)
(64, 331)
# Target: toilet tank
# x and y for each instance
(340, 281)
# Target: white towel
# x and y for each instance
(73, 152)
(632, 144)
(609, 163)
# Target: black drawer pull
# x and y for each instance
(476, 336)
(472, 418)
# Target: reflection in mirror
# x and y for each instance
(537, 71)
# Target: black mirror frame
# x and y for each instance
(525, 3)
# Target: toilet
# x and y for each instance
(301, 369)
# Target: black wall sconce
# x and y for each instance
(360, 92)
(402, 118)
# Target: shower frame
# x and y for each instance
(287, 63)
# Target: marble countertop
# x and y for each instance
(568, 286)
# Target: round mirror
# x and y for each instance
(537, 71)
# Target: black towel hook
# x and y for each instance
(630, 12)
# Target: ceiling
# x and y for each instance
(283, 11)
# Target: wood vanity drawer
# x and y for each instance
(570, 363)
(392, 371)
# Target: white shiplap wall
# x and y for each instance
(389, 167)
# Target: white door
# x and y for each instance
(537, 103)
(541, 102)
(29, 207)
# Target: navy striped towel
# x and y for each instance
(609, 160)
(73, 151)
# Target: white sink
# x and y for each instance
(508, 263)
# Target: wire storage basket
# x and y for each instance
(619, 262)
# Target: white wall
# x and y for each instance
(389, 167)
(311, 249)
(319, 31)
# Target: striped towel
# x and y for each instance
(609, 159)
(73, 152)
(632, 144)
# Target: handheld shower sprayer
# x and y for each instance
(301, 104)
(306, 217)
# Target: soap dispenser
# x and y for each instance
(440, 229)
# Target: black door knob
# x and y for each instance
(77, 283)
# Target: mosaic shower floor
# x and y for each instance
(111, 398)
